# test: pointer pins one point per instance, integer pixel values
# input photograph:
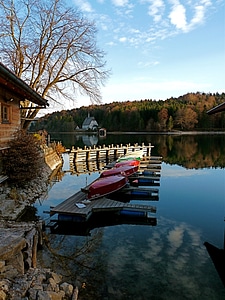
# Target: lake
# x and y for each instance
(166, 261)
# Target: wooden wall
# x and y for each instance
(9, 126)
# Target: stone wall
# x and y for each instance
(18, 249)
(19, 276)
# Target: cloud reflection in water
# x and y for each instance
(171, 262)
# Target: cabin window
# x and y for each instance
(4, 114)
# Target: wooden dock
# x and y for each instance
(78, 208)
(85, 166)
(107, 153)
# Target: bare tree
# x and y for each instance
(53, 49)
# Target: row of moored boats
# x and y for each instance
(114, 179)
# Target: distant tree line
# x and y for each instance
(187, 112)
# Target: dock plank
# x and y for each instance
(69, 207)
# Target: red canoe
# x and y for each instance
(124, 170)
(134, 162)
(106, 185)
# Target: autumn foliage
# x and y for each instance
(187, 112)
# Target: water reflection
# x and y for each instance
(90, 140)
(76, 139)
(190, 151)
(99, 220)
(158, 264)
(166, 261)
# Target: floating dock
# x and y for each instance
(117, 207)
(78, 209)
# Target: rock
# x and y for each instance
(2, 267)
(50, 295)
(10, 272)
(33, 285)
(40, 278)
(52, 285)
(67, 288)
(42, 295)
(11, 243)
(2, 295)
(21, 287)
(4, 285)
(33, 294)
(17, 263)
(57, 278)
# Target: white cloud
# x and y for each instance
(120, 2)
(146, 64)
(178, 16)
(123, 39)
(111, 43)
(198, 17)
(156, 9)
(84, 5)
(135, 31)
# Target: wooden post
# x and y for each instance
(88, 155)
(75, 294)
(34, 251)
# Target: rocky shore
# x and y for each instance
(13, 200)
(41, 284)
(20, 275)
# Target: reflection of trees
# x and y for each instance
(76, 258)
(191, 151)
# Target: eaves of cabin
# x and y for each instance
(216, 109)
(13, 91)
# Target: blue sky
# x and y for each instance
(157, 49)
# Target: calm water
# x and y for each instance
(166, 261)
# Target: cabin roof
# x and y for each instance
(13, 83)
(216, 109)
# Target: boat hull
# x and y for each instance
(124, 170)
(133, 162)
(106, 185)
(135, 155)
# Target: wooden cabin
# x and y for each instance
(13, 90)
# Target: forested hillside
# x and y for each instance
(187, 112)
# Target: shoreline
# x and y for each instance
(20, 275)
(178, 132)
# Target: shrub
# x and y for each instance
(24, 160)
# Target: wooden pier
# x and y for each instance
(107, 153)
(79, 209)
(84, 161)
